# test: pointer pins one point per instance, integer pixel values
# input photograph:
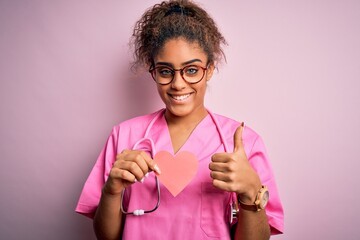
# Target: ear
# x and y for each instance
(210, 71)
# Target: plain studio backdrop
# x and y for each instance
(292, 74)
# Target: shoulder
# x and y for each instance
(230, 125)
(139, 122)
(126, 133)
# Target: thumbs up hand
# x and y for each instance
(232, 171)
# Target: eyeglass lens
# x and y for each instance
(165, 74)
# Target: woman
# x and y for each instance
(180, 44)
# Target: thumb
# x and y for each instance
(238, 143)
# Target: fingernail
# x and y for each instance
(135, 180)
(157, 169)
(142, 180)
(146, 175)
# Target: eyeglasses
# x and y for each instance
(164, 75)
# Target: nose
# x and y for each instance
(178, 82)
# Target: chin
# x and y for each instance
(180, 111)
(185, 110)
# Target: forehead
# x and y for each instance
(179, 50)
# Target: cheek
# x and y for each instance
(161, 91)
(202, 89)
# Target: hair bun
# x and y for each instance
(177, 9)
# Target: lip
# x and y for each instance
(180, 98)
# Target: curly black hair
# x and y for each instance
(173, 19)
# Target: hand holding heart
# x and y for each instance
(232, 171)
(130, 166)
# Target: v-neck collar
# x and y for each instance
(164, 142)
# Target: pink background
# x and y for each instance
(292, 74)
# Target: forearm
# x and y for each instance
(252, 225)
(108, 218)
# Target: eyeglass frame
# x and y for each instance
(173, 70)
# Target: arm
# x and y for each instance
(232, 172)
(108, 220)
(251, 224)
(130, 166)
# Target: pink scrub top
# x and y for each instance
(200, 211)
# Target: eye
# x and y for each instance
(191, 70)
(165, 72)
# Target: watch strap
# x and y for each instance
(256, 206)
(248, 207)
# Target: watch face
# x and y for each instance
(264, 199)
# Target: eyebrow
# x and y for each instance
(183, 64)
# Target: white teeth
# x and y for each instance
(181, 98)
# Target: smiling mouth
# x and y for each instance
(180, 97)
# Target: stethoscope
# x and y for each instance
(151, 145)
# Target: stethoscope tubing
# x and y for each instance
(139, 212)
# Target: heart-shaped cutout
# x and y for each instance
(176, 171)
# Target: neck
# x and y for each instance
(190, 120)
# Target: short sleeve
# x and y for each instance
(91, 193)
(260, 162)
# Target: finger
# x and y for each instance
(130, 155)
(238, 143)
(223, 185)
(151, 163)
(121, 156)
(219, 167)
(140, 159)
(122, 174)
(131, 167)
(220, 157)
(125, 151)
(224, 177)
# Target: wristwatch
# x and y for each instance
(262, 198)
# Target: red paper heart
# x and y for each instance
(176, 171)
